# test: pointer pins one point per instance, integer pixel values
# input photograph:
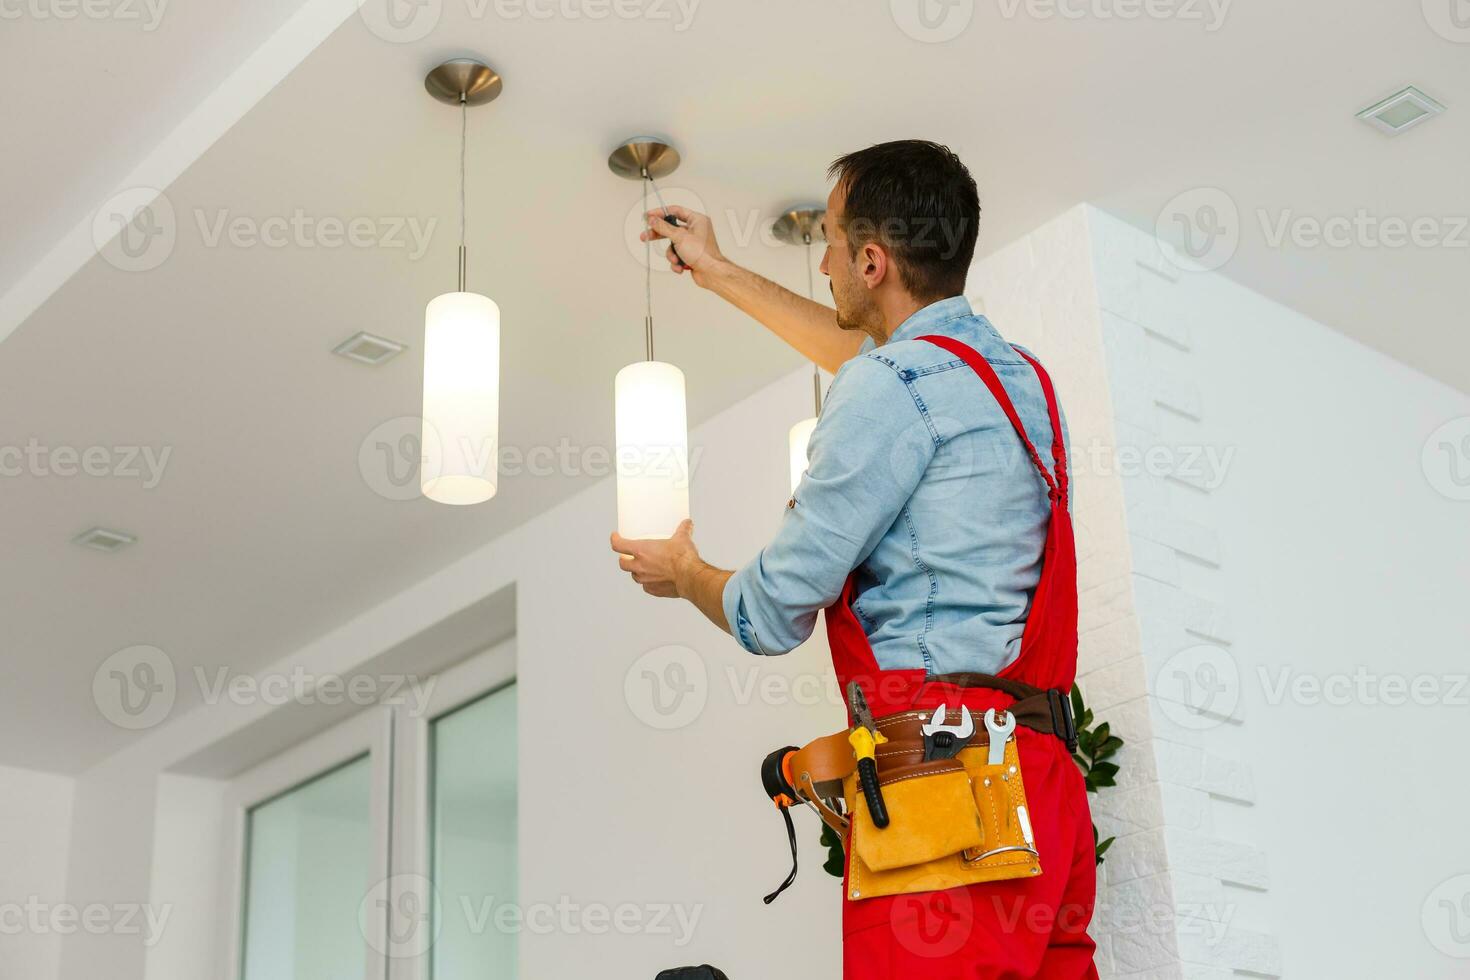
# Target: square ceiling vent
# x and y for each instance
(369, 348)
(1401, 111)
(103, 539)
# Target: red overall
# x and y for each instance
(1031, 927)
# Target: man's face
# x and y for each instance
(856, 307)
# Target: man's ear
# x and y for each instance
(873, 265)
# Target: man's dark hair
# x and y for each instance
(917, 199)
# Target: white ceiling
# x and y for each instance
(264, 532)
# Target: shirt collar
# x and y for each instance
(931, 317)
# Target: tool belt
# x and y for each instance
(956, 809)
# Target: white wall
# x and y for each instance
(35, 827)
(1310, 544)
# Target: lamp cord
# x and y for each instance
(463, 130)
(647, 272)
(811, 294)
(648, 182)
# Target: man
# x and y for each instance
(932, 527)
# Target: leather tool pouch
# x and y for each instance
(953, 822)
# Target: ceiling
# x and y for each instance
(266, 531)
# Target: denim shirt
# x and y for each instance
(918, 482)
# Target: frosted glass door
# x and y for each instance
(473, 796)
(309, 865)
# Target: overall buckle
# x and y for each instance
(1062, 722)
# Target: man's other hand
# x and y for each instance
(692, 243)
(656, 563)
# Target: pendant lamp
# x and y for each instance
(801, 226)
(650, 419)
(461, 423)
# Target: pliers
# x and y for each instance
(865, 738)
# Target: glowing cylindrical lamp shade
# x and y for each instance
(653, 450)
(800, 435)
(461, 398)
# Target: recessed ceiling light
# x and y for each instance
(103, 539)
(369, 348)
(1400, 111)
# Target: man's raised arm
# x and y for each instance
(808, 326)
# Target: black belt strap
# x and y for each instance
(1046, 710)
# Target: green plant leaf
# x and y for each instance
(1094, 746)
(836, 861)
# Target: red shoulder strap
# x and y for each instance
(1057, 486)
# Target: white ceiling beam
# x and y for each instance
(210, 119)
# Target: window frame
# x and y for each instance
(397, 739)
(469, 681)
(370, 734)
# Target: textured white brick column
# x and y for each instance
(1041, 292)
(1100, 305)
(1169, 466)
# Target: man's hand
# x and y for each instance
(672, 569)
(693, 247)
(806, 325)
(654, 562)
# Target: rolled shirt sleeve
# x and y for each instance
(866, 455)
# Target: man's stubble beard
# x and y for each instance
(858, 313)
